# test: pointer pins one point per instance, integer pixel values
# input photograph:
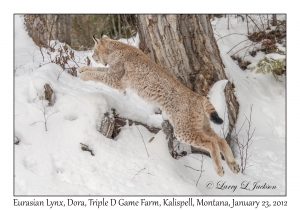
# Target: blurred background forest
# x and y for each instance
(77, 30)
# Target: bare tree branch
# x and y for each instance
(143, 140)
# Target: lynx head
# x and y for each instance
(99, 50)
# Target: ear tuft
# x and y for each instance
(94, 38)
(103, 35)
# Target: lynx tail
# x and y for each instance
(210, 111)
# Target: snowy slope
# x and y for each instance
(52, 162)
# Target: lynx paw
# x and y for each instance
(83, 69)
(85, 77)
(234, 167)
(220, 171)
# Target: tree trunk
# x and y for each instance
(185, 46)
(43, 28)
(114, 25)
(119, 26)
(274, 20)
(36, 26)
(59, 28)
(62, 29)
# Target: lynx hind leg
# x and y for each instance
(227, 153)
(201, 140)
(214, 152)
(225, 150)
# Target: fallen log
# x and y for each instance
(112, 124)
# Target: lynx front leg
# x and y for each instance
(98, 76)
(89, 68)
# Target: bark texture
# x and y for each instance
(107, 125)
(185, 46)
(48, 94)
(274, 20)
(62, 29)
(112, 123)
(42, 28)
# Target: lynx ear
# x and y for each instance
(103, 35)
(94, 38)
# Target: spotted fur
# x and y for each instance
(188, 112)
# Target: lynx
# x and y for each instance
(188, 112)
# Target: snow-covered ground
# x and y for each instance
(52, 162)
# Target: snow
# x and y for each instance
(217, 98)
(52, 162)
(132, 41)
(268, 116)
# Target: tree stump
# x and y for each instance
(112, 124)
(49, 94)
(107, 125)
(168, 130)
